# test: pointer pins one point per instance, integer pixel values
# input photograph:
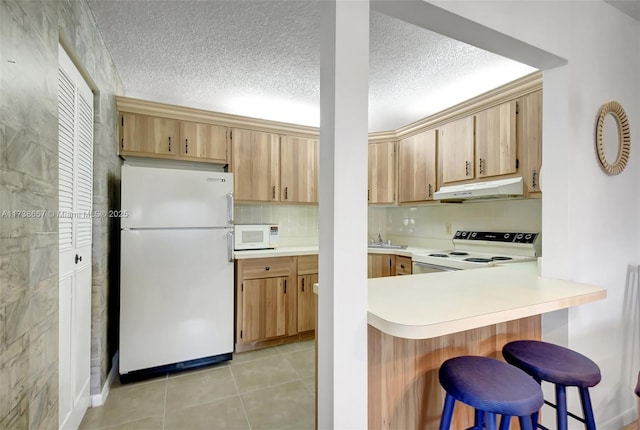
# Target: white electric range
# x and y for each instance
(478, 249)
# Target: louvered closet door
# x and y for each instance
(75, 173)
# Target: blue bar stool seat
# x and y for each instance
(560, 366)
(493, 388)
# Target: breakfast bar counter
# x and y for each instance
(417, 322)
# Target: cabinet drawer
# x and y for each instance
(307, 264)
(403, 265)
(266, 267)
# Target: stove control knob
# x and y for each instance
(464, 234)
(474, 234)
(507, 235)
(528, 237)
(519, 236)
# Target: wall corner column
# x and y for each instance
(342, 295)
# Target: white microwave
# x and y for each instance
(255, 236)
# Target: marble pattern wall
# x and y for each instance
(29, 35)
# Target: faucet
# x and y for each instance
(379, 238)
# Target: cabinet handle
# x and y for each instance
(186, 146)
(402, 266)
(368, 195)
(122, 143)
(534, 178)
(285, 286)
(481, 166)
(273, 192)
(466, 168)
(303, 285)
(430, 190)
(286, 193)
(267, 268)
(169, 143)
(78, 258)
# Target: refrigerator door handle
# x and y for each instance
(230, 246)
(230, 208)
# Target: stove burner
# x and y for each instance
(438, 255)
(478, 260)
(500, 258)
(458, 253)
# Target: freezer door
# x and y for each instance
(176, 298)
(155, 197)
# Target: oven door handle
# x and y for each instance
(435, 267)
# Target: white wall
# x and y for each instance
(591, 221)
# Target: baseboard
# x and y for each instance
(99, 399)
(618, 422)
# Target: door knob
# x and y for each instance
(78, 258)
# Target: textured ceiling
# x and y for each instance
(262, 59)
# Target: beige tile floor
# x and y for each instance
(271, 388)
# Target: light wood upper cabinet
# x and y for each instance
(456, 146)
(203, 141)
(149, 135)
(255, 163)
(496, 140)
(530, 139)
(299, 170)
(382, 173)
(417, 167)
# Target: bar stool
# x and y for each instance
(560, 366)
(493, 388)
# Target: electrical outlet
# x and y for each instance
(447, 228)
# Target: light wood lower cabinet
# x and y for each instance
(307, 276)
(380, 265)
(264, 309)
(275, 303)
(266, 299)
(403, 265)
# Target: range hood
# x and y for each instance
(512, 187)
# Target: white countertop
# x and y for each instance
(288, 251)
(285, 251)
(435, 304)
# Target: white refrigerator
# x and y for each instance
(176, 273)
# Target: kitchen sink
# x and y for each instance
(386, 246)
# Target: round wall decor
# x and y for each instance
(624, 138)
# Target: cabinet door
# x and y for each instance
(255, 163)
(306, 302)
(380, 265)
(403, 265)
(164, 134)
(456, 146)
(299, 170)
(206, 142)
(417, 167)
(134, 133)
(382, 176)
(264, 309)
(530, 139)
(496, 140)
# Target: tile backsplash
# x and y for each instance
(298, 223)
(428, 225)
(434, 225)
